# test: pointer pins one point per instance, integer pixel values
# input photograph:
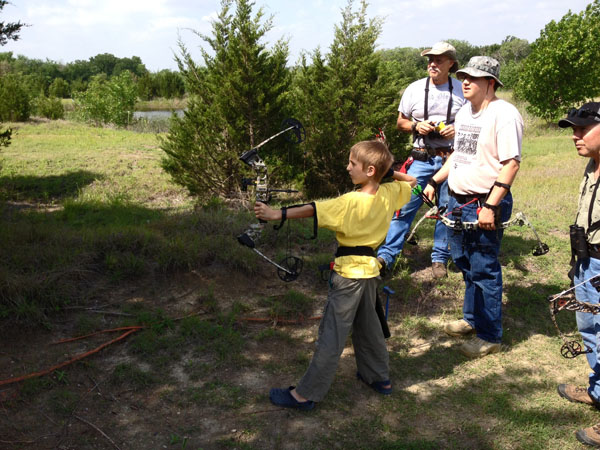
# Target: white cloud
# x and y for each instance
(210, 17)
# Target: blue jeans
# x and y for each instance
(400, 225)
(475, 253)
(589, 324)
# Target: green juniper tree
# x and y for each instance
(236, 100)
(345, 98)
(8, 31)
(563, 64)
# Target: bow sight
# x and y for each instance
(292, 130)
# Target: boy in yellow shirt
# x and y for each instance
(360, 220)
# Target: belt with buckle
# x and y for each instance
(460, 198)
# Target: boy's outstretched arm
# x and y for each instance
(405, 177)
(264, 212)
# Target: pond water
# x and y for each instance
(156, 115)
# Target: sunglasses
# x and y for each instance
(583, 113)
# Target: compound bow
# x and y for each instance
(290, 267)
(566, 301)
(458, 225)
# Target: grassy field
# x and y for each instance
(94, 236)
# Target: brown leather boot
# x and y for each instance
(577, 394)
(477, 347)
(458, 328)
(589, 436)
(439, 270)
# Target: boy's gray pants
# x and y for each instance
(350, 307)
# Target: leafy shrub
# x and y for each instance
(59, 88)
(108, 101)
(15, 105)
(49, 107)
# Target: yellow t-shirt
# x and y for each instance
(361, 219)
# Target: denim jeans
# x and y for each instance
(475, 253)
(400, 225)
(589, 324)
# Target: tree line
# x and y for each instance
(64, 80)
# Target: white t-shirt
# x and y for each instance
(483, 141)
(412, 105)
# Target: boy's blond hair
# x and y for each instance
(373, 153)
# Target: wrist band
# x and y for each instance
(283, 217)
(492, 207)
(504, 185)
(432, 183)
(413, 127)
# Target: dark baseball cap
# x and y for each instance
(587, 114)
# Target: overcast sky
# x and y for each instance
(68, 30)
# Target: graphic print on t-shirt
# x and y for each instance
(465, 144)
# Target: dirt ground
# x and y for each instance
(85, 406)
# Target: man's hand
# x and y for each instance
(264, 212)
(448, 132)
(429, 192)
(424, 128)
(486, 219)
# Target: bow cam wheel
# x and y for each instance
(294, 266)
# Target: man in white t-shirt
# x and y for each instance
(427, 110)
(480, 172)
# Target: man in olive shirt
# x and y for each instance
(585, 122)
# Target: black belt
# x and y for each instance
(466, 198)
(423, 154)
(361, 250)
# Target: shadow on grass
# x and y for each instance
(527, 311)
(514, 249)
(53, 258)
(497, 407)
(46, 189)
